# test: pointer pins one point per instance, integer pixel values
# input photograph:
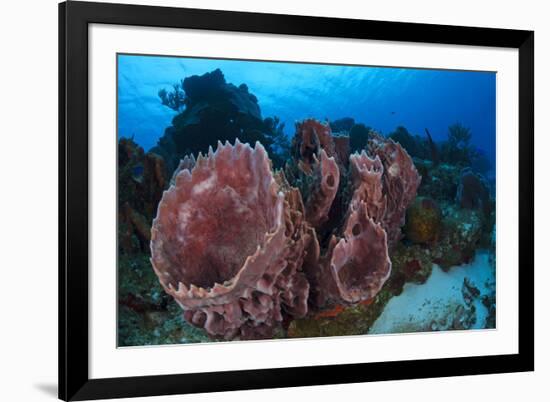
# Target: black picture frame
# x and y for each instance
(74, 18)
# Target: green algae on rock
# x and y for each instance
(146, 315)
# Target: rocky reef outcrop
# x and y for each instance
(142, 177)
(423, 221)
(473, 192)
(209, 110)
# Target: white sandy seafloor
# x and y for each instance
(442, 302)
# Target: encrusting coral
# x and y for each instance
(423, 222)
(244, 250)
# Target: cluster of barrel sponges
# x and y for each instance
(243, 249)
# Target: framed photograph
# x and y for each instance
(257, 200)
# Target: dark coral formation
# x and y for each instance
(211, 110)
(473, 192)
(455, 151)
(439, 182)
(343, 125)
(415, 145)
(142, 177)
(359, 137)
(235, 246)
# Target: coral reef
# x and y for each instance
(423, 221)
(312, 250)
(415, 146)
(249, 251)
(438, 182)
(460, 235)
(454, 300)
(210, 110)
(451, 237)
(410, 264)
(456, 151)
(358, 137)
(146, 314)
(231, 229)
(473, 192)
(434, 151)
(414, 299)
(343, 125)
(457, 148)
(234, 245)
(142, 177)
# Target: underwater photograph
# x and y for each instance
(275, 200)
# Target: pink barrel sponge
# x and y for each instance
(326, 181)
(366, 176)
(400, 183)
(219, 242)
(360, 264)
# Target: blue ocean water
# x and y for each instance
(380, 97)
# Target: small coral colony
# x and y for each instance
(230, 229)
